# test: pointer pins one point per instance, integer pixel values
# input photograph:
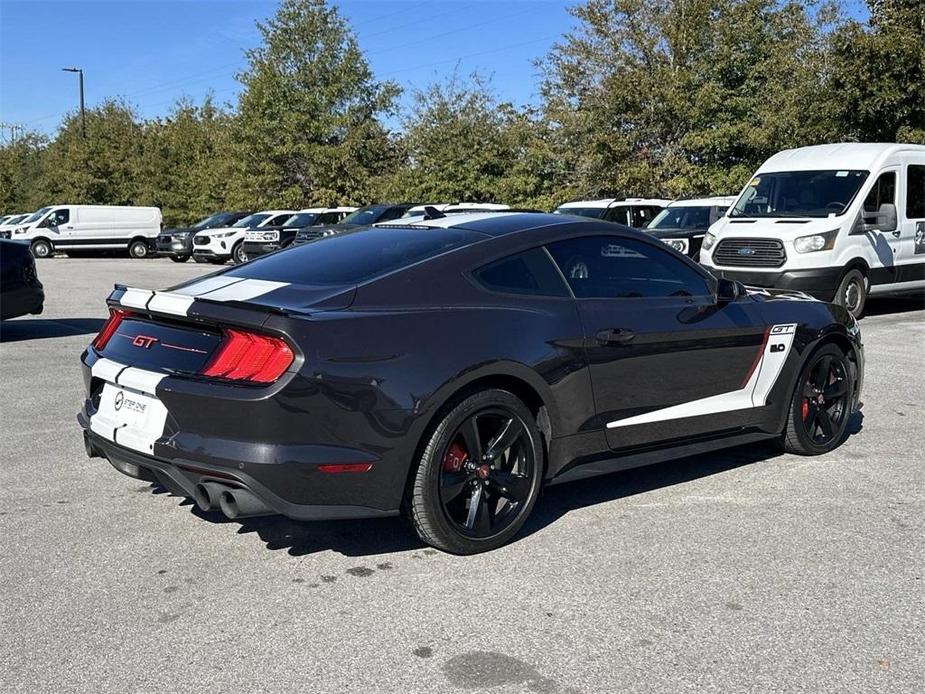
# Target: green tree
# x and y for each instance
(307, 128)
(682, 97)
(460, 143)
(20, 173)
(877, 87)
(101, 168)
(186, 162)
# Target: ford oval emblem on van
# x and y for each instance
(746, 251)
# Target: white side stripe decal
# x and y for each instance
(753, 394)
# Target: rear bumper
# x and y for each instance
(181, 477)
(820, 283)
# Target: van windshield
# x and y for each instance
(36, 216)
(799, 194)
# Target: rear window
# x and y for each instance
(355, 257)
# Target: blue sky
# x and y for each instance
(152, 52)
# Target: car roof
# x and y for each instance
(852, 156)
(717, 201)
(614, 202)
(489, 223)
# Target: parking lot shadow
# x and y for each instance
(41, 328)
(897, 304)
(359, 538)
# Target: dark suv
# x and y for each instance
(177, 244)
(265, 240)
(371, 214)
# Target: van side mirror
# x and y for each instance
(883, 219)
(728, 290)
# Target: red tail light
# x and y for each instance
(109, 327)
(246, 356)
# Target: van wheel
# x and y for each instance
(41, 248)
(852, 293)
(238, 255)
(479, 475)
(138, 249)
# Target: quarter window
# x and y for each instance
(882, 192)
(618, 215)
(530, 272)
(915, 192)
(614, 267)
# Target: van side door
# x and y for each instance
(911, 220)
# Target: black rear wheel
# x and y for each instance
(821, 404)
(479, 475)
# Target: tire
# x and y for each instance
(42, 248)
(509, 482)
(138, 249)
(237, 253)
(200, 259)
(179, 258)
(804, 419)
(852, 292)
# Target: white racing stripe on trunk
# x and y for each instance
(243, 290)
(207, 285)
(753, 394)
(168, 302)
(139, 379)
(136, 298)
(107, 369)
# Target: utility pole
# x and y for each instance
(83, 115)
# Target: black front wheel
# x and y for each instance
(479, 475)
(821, 405)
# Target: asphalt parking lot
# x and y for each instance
(744, 571)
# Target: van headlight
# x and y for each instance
(680, 245)
(708, 241)
(816, 242)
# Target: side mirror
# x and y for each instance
(728, 290)
(882, 220)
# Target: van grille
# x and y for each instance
(750, 253)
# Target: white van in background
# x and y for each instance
(636, 213)
(839, 222)
(90, 228)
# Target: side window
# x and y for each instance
(613, 267)
(530, 272)
(56, 218)
(883, 191)
(392, 213)
(329, 218)
(277, 220)
(915, 191)
(643, 215)
(618, 215)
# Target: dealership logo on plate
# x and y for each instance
(120, 397)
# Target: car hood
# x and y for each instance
(787, 228)
(336, 228)
(179, 230)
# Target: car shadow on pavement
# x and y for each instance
(898, 304)
(359, 538)
(41, 328)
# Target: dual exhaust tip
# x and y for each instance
(234, 502)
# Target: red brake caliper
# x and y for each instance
(454, 458)
(804, 409)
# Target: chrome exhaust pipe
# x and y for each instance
(207, 495)
(240, 503)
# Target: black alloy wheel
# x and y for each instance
(821, 404)
(479, 476)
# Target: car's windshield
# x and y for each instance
(799, 194)
(210, 221)
(686, 217)
(596, 212)
(365, 215)
(251, 220)
(302, 219)
(36, 216)
(16, 219)
(351, 258)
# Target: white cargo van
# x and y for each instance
(839, 222)
(89, 228)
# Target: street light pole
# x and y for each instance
(83, 115)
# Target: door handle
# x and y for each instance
(615, 336)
